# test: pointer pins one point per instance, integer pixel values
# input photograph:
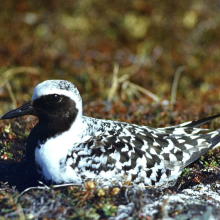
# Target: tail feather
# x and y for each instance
(215, 140)
(197, 123)
(202, 148)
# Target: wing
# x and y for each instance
(146, 154)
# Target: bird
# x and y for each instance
(67, 147)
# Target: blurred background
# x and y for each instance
(128, 50)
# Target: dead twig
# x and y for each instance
(175, 84)
(8, 74)
(127, 86)
(114, 82)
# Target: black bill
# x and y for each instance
(26, 109)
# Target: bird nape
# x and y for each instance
(67, 147)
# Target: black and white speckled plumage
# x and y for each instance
(66, 146)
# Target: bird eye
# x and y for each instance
(55, 98)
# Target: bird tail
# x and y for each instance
(197, 123)
(201, 149)
(215, 140)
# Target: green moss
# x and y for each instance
(185, 172)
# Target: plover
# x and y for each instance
(67, 147)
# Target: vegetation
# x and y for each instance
(152, 63)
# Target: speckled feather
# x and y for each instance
(145, 155)
(66, 146)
